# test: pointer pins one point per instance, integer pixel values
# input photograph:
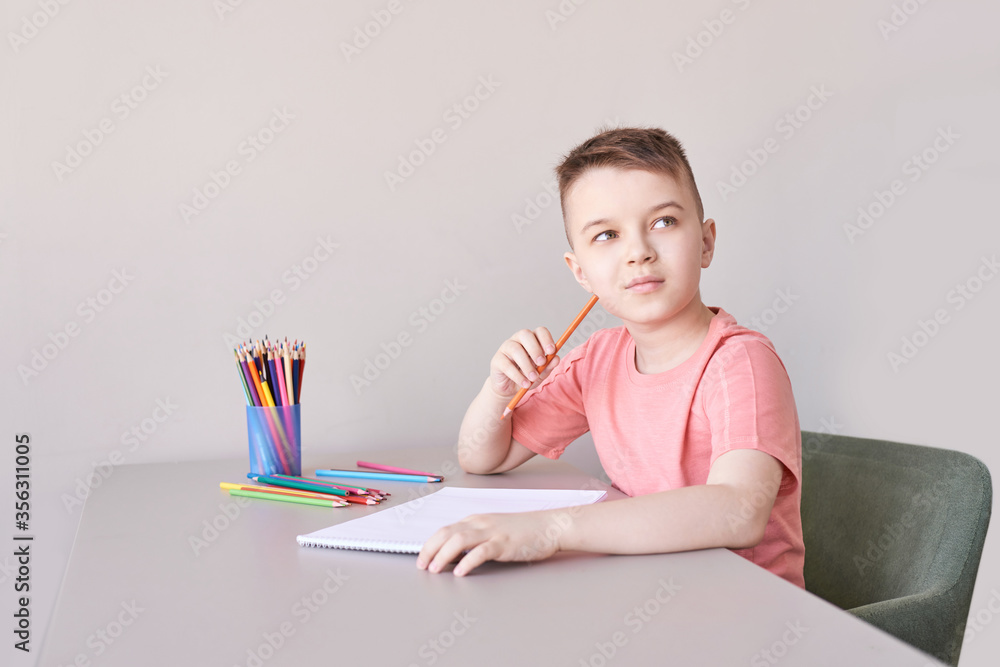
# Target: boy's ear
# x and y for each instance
(577, 270)
(707, 242)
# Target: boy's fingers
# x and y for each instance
(546, 340)
(474, 559)
(521, 357)
(515, 366)
(431, 547)
(448, 552)
(532, 347)
(548, 369)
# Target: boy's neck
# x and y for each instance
(668, 346)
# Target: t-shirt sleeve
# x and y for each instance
(552, 415)
(749, 405)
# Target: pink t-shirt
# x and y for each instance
(663, 431)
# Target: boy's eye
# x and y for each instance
(670, 221)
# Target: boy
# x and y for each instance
(692, 414)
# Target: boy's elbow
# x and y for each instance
(747, 532)
(752, 535)
(743, 538)
(470, 465)
(473, 469)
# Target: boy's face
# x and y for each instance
(647, 226)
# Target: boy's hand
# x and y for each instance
(519, 536)
(516, 363)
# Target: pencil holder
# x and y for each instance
(275, 435)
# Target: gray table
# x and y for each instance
(167, 569)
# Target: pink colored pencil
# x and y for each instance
(402, 471)
(279, 366)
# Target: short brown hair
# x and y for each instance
(648, 148)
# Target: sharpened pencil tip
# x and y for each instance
(506, 411)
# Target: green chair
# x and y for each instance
(894, 533)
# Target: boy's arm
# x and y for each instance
(485, 445)
(730, 510)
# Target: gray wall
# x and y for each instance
(116, 115)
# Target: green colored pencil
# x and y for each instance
(302, 500)
(301, 485)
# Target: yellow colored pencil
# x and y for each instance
(321, 502)
(281, 492)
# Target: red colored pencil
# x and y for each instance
(360, 500)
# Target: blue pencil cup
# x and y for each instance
(275, 435)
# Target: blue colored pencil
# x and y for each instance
(364, 474)
(273, 379)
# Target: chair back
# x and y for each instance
(893, 534)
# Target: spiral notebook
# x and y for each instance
(404, 528)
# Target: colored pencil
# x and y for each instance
(350, 489)
(273, 376)
(264, 369)
(316, 486)
(562, 341)
(273, 489)
(261, 365)
(259, 382)
(296, 484)
(289, 380)
(243, 379)
(245, 369)
(276, 430)
(267, 373)
(286, 499)
(302, 367)
(279, 371)
(361, 500)
(252, 368)
(364, 474)
(402, 471)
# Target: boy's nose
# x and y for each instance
(640, 250)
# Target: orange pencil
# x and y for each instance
(256, 379)
(562, 341)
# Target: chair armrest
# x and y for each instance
(919, 616)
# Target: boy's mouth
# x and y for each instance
(644, 284)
